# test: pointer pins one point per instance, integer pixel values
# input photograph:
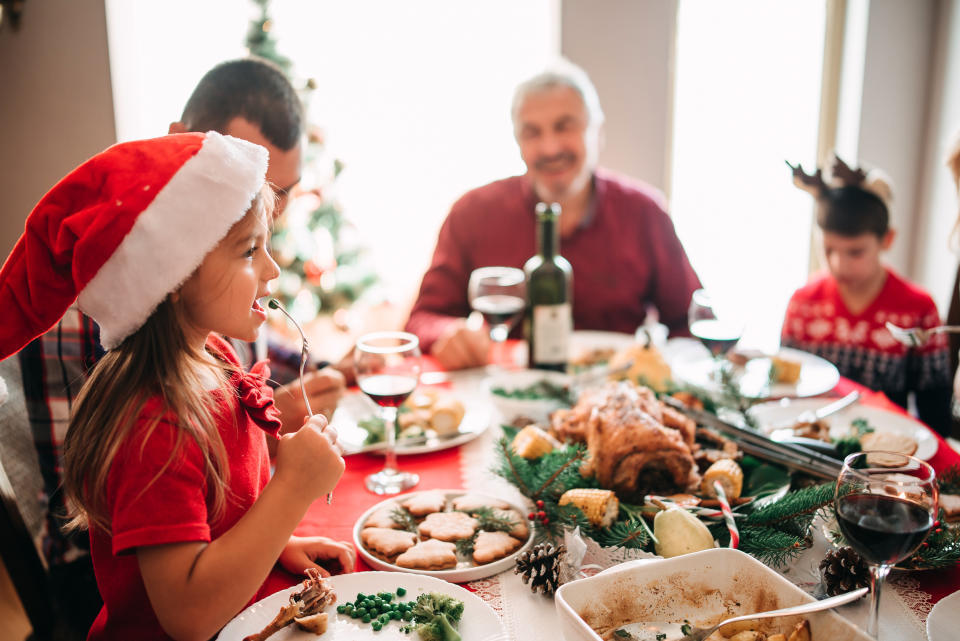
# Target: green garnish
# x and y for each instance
(437, 616)
(661, 636)
(686, 628)
(493, 521)
(405, 520)
(541, 390)
(623, 633)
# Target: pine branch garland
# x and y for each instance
(626, 534)
(404, 519)
(795, 511)
(492, 521)
(771, 546)
(949, 480)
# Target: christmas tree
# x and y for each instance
(316, 247)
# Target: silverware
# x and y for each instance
(670, 631)
(812, 416)
(273, 303)
(917, 336)
(759, 445)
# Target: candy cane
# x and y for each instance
(727, 515)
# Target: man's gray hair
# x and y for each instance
(561, 74)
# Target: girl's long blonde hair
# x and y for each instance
(154, 362)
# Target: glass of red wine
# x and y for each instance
(500, 295)
(886, 504)
(388, 370)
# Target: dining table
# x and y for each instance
(907, 599)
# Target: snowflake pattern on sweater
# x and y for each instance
(860, 345)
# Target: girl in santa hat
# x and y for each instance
(162, 242)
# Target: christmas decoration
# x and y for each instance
(842, 570)
(321, 260)
(539, 567)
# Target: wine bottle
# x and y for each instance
(549, 319)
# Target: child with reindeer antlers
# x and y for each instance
(840, 315)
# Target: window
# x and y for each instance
(747, 96)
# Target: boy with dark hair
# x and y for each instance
(250, 99)
(841, 315)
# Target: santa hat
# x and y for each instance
(123, 230)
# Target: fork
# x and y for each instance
(690, 633)
(917, 336)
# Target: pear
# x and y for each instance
(680, 532)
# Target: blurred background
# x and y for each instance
(705, 99)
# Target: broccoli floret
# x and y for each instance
(437, 616)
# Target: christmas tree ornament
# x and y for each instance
(843, 570)
(539, 567)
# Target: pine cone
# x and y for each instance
(843, 570)
(540, 567)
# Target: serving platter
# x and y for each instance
(466, 569)
(692, 364)
(479, 623)
(355, 407)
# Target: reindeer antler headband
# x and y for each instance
(842, 175)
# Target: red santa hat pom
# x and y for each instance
(123, 230)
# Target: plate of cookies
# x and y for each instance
(430, 419)
(448, 534)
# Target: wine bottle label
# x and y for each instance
(552, 325)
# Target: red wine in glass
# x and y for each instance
(883, 529)
(717, 336)
(499, 309)
(388, 390)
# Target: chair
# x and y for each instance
(60, 601)
(24, 565)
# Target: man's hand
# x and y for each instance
(324, 388)
(460, 346)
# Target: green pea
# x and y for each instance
(366, 618)
(407, 615)
(360, 611)
(377, 626)
(401, 591)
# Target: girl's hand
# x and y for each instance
(309, 461)
(317, 552)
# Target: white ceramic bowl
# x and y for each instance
(703, 588)
(537, 410)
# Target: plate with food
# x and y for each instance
(944, 619)
(872, 428)
(590, 348)
(788, 372)
(452, 535)
(390, 602)
(431, 419)
(529, 393)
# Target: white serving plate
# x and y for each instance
(692, 364)
(465, 570)
(703, 588)
(778, 413)
(479, 623)
(537, 410)
(356, 406)
(944, 619)
(584, 341)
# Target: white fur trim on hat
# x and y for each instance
(171, 237)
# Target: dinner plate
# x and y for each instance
(944, 619)
(479, 622)
(465, 570)
(778, 413)
(585, 343)
(692, 364)
(356, 406)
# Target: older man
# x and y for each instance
(625, 254)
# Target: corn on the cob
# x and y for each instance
(532, 442)
(728, 473)
(600, 506)
(446, 414)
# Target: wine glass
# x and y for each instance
(388, 370)
(500, 294)
(718, 332)
(886, 504)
